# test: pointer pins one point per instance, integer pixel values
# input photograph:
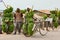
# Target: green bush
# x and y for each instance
(8, 20)
(55, 24)
(4, 27)
(30, 32)
(44, 16)
(55, 21)
(23, 11)
(27, 28)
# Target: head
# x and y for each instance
(18, 10)
(48, 15)
(28, 9)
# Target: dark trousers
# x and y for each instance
(0, 29)
(18, 27)
(48, 24)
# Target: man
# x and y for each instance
(19, 20)
(48, 22)
(26, 14)
(25, 18)
(28, 22)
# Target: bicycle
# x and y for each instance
(39, 27)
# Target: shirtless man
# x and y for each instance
(19, 20)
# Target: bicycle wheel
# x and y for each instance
(43, 32)
(42, 29)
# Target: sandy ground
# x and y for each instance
(52, 35)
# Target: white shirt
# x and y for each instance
(49, 19)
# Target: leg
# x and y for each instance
(47, 25)
(16, 28)
(20, 26)
(52, 26)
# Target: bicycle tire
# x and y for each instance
(43, 32)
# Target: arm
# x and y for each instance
(21, 14)
(14, 16)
